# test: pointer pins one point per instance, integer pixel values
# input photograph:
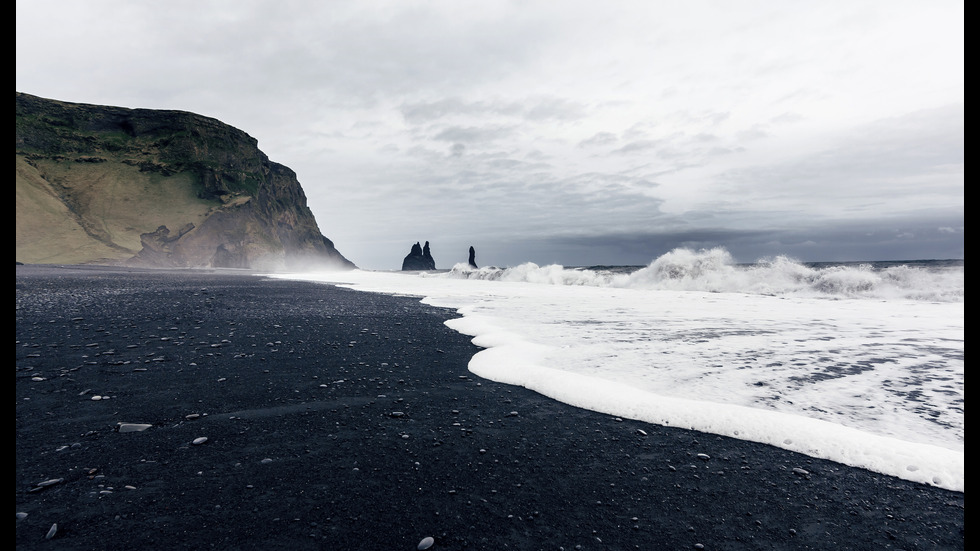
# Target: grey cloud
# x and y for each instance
(599, 139)
(422, 112)
(560, 109)
(756, 132)
(788, 117)
(473, 134)
(908, 152)
(531, 109)
(717, 118)
(638, 145)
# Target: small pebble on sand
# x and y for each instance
(133, 427)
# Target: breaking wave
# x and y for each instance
(714, 270)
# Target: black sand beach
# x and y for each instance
(343, 420)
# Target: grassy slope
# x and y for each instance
(97, 210)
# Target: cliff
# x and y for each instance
(156, 188)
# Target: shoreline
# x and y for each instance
(378, 436)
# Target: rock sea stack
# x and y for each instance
(420, 258)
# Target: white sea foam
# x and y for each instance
(858, 364)
(714, 270)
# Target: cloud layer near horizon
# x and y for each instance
(573, 132)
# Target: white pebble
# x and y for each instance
(200, 440)
(426, 543)
(52, 531)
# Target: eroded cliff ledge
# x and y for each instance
(110, 185)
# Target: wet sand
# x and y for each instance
(336, 419)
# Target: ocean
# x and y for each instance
(860, 363)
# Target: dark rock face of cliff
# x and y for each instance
(472, 259)
(420, 258)
(100, 184)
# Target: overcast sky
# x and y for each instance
(558, 131)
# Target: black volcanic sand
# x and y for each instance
(338, 419)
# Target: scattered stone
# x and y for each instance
(426, 543)
(21, 516)
(201, 440)
(133, 427)
(266, 461)
(704, 456)
(192, 416)
(52, 531)
(641, 432)
(50, 482)
(802, 472)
